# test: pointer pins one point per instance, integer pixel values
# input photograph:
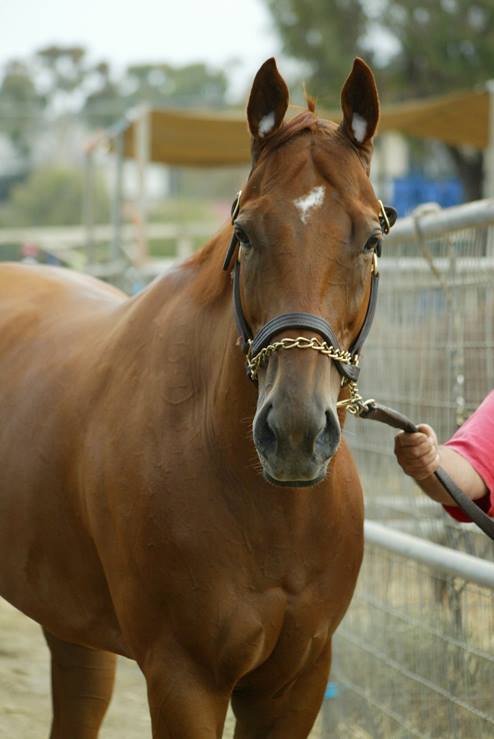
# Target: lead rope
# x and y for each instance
(377, 412)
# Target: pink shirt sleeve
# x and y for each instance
(474, 440)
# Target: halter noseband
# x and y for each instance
(258, 348)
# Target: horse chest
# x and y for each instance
(278, 627)
(272, 636)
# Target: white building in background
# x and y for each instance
(391, 159)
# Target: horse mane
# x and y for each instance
(207, 262)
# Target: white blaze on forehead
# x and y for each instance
(307, 203)
(266, 124)
(359, 126)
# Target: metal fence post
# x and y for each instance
(88, 206)
(116, 241)
(489, 152)
(142, 145)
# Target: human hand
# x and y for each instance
(418, 454)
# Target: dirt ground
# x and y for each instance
(25, 709)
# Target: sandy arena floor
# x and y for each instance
(25, 709)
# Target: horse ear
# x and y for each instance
(268, 101)
(360, 105)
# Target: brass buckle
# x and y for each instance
(384, 216)
(236, 206)
(375, 264)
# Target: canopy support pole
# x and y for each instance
(142, 140)
(489, 152)
(116, 241)
(88, 206)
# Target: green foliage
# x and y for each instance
(326, 35)
(52, 197)
(436, 45)
(20, 105)
(157, 84)
(64, 78)
(64, 66)
(164, 84)
(443, 45)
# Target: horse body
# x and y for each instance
(133, 515)
(50, 326)
(106, 514)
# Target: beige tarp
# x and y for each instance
(458, 119)
(204, 139)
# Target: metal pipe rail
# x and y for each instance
(413, 657)
(430, 225)
(441, 559)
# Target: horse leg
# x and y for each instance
(286, 714)
(183, 704)
(82, 683)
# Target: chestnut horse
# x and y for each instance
(138, 514)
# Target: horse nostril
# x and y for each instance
(328, 439)
(264, 432)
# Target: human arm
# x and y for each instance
(468, 458)
(419, 455)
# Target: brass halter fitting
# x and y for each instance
(383, 218)
(355, 404)
(236, 206)
(375, 263)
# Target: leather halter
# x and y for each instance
(253, 346)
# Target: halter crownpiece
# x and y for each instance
(260, 347)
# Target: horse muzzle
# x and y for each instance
(295, 445)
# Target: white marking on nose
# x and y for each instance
(266, 124)
(359, 126)
(307, 203)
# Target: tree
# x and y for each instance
(64, 71)
(326, 35)
(155, 84)
(438, 46)
(105, 104)
(444, 45)
(181, 86)
(20, 106)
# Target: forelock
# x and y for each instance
(305, 121)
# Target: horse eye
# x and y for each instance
(374, 243)
(242, 236)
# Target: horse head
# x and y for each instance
(307, 228)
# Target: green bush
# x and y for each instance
(53, 197)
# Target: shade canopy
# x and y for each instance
(191, 138)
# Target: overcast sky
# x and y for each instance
(177, 31)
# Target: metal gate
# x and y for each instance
(414, 656)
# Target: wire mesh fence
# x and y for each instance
(414, 657)
(430, 355)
